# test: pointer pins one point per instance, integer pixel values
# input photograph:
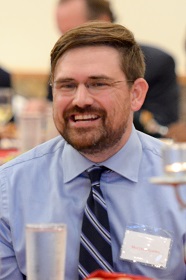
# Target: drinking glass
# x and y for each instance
(51, 130)
(45, 251)
(174, 159)
(30, 130)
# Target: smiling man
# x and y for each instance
(91, 102)
(97, 80)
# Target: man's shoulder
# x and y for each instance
(152, 52)
(5, 78)
(151, 145)
(154, 49)
(4, 72)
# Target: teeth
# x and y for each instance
(84, 117)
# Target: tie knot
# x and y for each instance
(94, 173)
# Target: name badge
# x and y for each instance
(141, 245)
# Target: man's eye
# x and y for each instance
(66, 86)
(99, 85)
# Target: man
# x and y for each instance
(71, 13)
(161, 106)
(97, 79)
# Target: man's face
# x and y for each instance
(92, 110)
(70, 14)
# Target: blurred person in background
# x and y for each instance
(71, 13)
(5, 78)
(8, 129)
(5, 82)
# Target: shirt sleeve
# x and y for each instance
(8, 265)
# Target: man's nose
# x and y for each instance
(82, 97)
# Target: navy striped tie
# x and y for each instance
(95, 245)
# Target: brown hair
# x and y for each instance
(103, 34)
(97, 8)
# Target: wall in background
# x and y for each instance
(28, 30)
(27, 34)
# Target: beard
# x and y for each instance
(93, 140)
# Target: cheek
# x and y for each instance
(58, 109)
(122, 105)
(60, 103)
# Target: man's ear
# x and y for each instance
(138, 93)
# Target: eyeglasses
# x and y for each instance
(95, 86)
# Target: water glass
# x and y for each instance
(50, 129)
(30, 130)
(45, 251)
(174, 159)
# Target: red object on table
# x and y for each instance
(8, 154)
(109, 276)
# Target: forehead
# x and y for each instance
(68, 9)
(88, 61)
(70, 14)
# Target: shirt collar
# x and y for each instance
(125, 162)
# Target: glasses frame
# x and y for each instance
(94, 86)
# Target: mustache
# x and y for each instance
(85, 110)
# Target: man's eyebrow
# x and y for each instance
(68, 79)
(100, 77)
(61, 80)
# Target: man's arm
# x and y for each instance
(9, 269)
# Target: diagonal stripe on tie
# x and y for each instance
(92, 218)
(95, 243)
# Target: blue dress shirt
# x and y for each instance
(48, 185)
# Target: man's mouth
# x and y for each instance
(87, 117)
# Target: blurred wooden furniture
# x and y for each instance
(30, 84)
